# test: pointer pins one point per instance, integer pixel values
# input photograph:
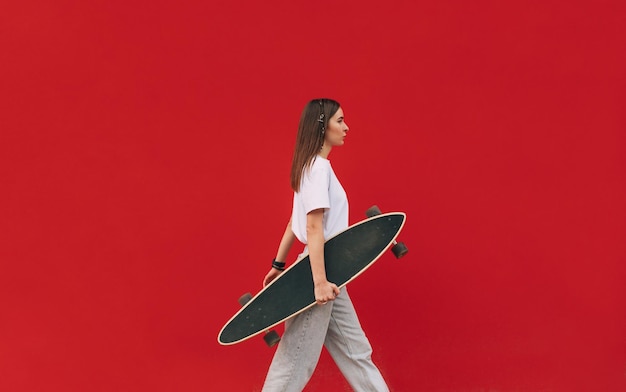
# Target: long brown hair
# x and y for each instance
(310, 138)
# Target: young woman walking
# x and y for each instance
(320, 210)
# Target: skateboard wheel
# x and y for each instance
(244, 299)
(271, 338)
(373, 211)
(399, 250)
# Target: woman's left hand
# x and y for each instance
(273, 274)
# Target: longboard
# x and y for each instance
(347, 255)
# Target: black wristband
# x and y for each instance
(278, 265)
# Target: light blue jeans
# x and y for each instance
(336, 326)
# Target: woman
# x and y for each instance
(320, 210)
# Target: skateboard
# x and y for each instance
(347, 255)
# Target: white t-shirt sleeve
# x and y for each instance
(320, 189)
(314, 188)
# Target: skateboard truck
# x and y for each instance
(398, 248)
(271, 337)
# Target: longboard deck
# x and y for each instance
(347, 255)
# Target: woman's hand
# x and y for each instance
(273, 274)
(325, 291)
(283, 249)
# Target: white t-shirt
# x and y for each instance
(320, 188)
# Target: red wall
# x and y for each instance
(145, 150)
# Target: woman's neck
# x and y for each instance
(325, 151)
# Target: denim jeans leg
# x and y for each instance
(347, 344)
(299, 350)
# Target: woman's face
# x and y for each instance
(336, 130)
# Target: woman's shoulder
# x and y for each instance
(320, 163)
(320, 168)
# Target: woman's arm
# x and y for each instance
(324, 290)
(283, 250)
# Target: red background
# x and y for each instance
(145, 150)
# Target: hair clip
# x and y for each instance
(321, 119)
